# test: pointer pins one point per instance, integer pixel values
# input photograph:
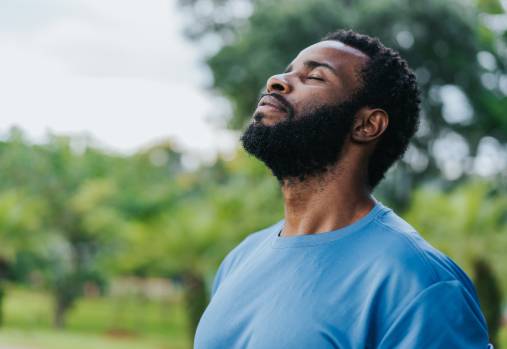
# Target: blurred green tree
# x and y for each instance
(468, 223)
(21, 212)
(190, 237)
(19, 226)
(77, 221)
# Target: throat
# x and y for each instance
(324, 203)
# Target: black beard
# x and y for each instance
(304, 146)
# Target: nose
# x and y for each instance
(278, 83)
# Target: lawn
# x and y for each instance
(503, 338)
(52, 339)
(98, 323)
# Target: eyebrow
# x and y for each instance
(313, 65)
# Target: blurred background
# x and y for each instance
(122, 183)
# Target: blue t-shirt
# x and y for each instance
(373, 284)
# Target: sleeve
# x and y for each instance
(232, 259)
(224, 269)
(218, 277)
(443, 315)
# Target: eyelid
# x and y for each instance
(315, 77)
(308, 76)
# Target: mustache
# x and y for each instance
(282, 100)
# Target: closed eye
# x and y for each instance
(315, 78)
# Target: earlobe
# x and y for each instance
(369, 125)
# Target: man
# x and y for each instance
(341, 270)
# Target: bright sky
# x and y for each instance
(119, 70)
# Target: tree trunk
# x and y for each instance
(68, 287)
(4, 273)
(65, 294)
(196, 299)
(60, 311)
(490, 297)
(2, 296)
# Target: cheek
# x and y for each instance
(312, 100)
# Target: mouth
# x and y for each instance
(269, 102)
(271, 109)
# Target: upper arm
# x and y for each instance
(443, 315)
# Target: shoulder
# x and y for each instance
(407, 256)
(249, 243)
(407, 267)
(240, 252)
(406, 248)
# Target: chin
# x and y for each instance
(268, 120)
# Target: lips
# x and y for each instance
(272, 102)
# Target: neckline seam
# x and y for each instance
(278, 242)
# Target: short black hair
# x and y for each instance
(387, 83)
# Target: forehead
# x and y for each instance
(345, 59)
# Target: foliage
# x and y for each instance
(211, 216)
(466, 223)
(66, 204)
(89, 215)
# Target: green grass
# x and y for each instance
(99, 323)
(503, 338)
(52, 339)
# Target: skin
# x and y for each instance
(340, 196)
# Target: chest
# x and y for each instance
(298, 306)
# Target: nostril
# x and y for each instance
(277, 86)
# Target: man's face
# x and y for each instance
(300, 125)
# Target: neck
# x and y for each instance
(326, 202)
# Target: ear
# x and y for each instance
(369, 124)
